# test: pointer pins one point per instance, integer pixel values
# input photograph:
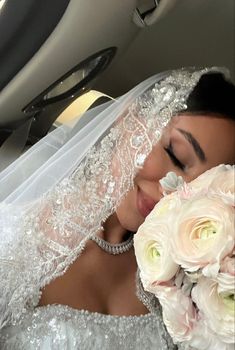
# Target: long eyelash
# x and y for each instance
(176, 162)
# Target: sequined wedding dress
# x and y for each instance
(59, 327)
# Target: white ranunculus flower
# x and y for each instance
(204, 180)
(224, 186)
(217, 305)
(152, 247)
(204, 338)
(178, 311)
(211, 270)
(226, 285)
(168, 206)
(203, 233)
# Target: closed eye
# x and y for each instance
(174, 159)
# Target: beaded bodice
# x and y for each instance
(59, 327)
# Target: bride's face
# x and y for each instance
(189, 146)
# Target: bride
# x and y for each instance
(70, 205)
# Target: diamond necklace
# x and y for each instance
(114, 249)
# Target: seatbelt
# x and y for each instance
(14, 145)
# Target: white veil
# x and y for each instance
(58, 153)
(58, 194)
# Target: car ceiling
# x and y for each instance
(192, 33)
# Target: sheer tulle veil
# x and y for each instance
(59, 192)
(61, 151)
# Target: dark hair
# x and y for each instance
(213, 95)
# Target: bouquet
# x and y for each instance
(186, 257)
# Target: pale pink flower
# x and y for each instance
(224, 186)
(226, 285)
(185, 191)
(151, 243)
(203, 338)
(179, 314)
(204, 180)
(153, 254)
(202, 233)
(217, 306)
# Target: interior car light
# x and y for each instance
(2, 2)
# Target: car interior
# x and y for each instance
(59, 58)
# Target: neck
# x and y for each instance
(113, 231)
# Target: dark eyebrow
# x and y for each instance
(197, 148)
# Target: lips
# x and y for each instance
(145, 203)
